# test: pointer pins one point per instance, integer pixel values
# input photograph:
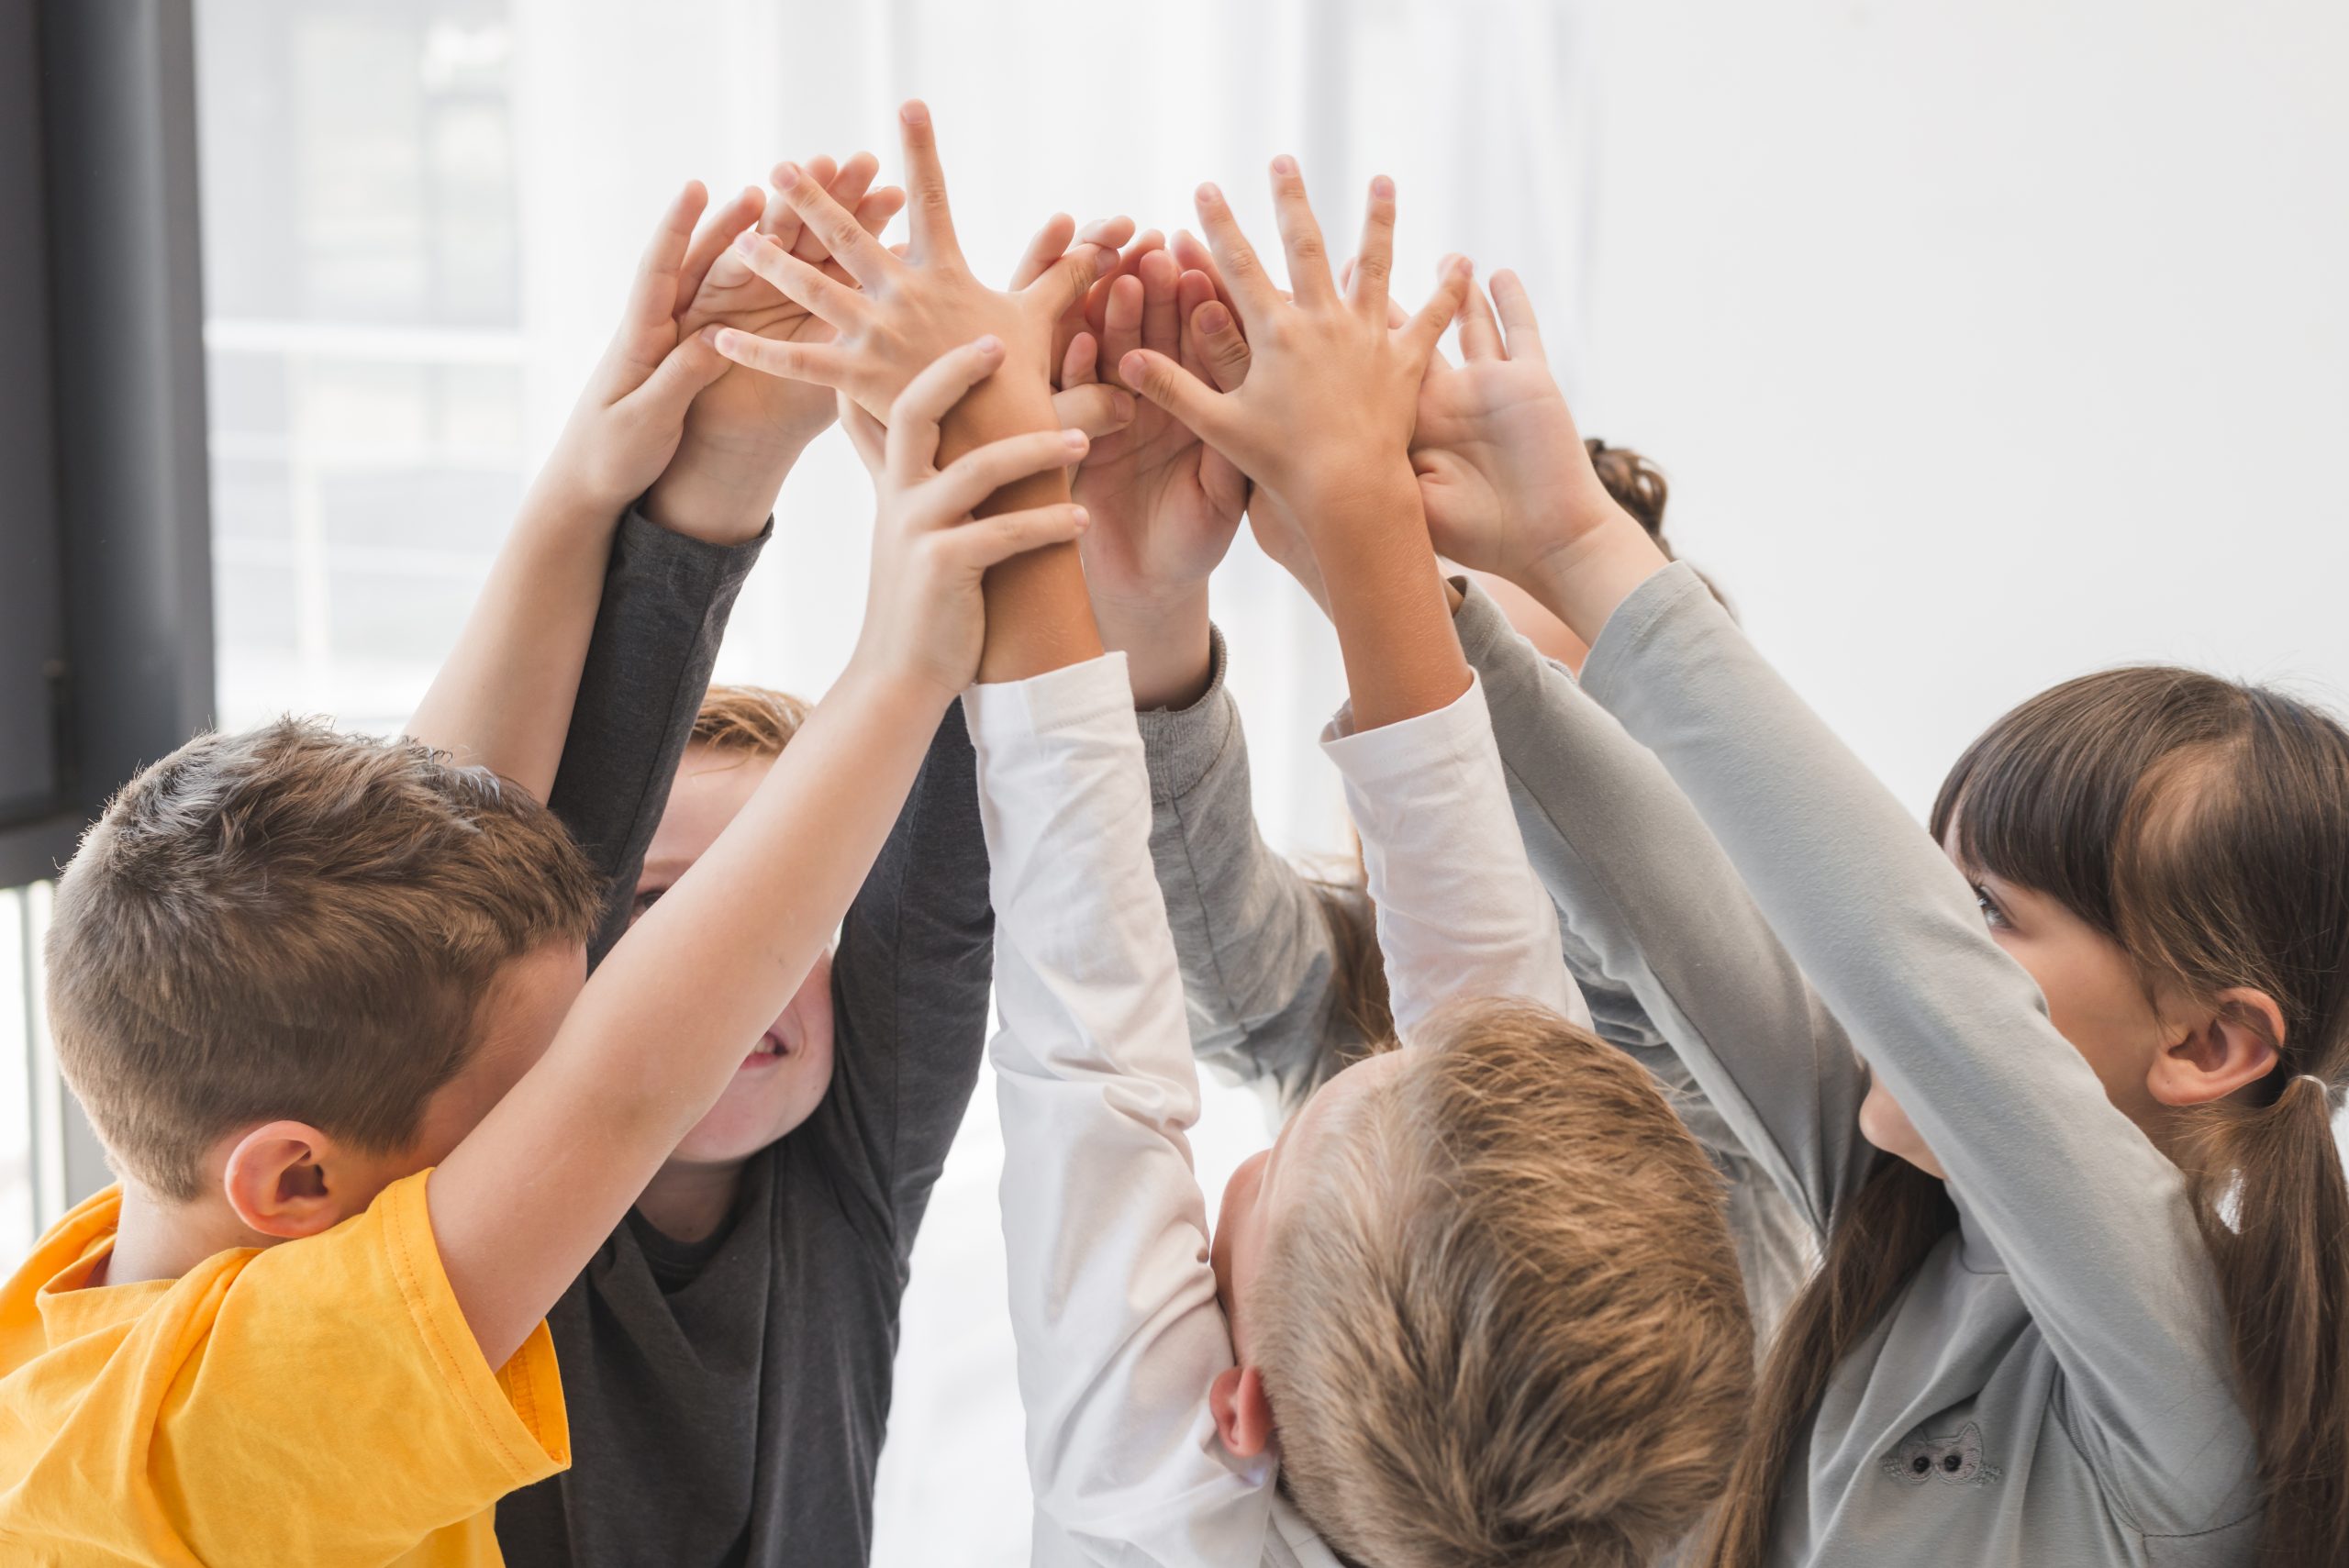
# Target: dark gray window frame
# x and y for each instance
(105, 486)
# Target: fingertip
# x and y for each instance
(786, 175)
(1208, 195)
(1133, 367)
(1383, 188)
(914, 114)
(1080, 518)
(987, 346)
(1121, 404)
(1284, 166)
(1213, 319)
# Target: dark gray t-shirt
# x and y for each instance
(728, 1398)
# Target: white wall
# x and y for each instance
(1986, 341)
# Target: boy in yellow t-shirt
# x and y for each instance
(322, 996)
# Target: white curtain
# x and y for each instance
(1483, 112)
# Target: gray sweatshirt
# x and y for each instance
(1259, 961)
(2053, 1386)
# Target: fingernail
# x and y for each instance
(1084, 519)
(1075, 439)
(1383, 188)
(915, 112)
(1121, 404)
(1214, 320)
(1283, 164)
(1207, 193)
(748, 241)
(1092, 232)
(989, 345)
(786, 175)
(720, 338)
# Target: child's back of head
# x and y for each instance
(293, 923)
(1513, 1330)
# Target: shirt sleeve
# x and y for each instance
(1113, 1304)
(2092, 1222)
(909, 998)
(338, 1410)
(666, 600)
(1459, 912)
(1647, 891)
(1251, 933)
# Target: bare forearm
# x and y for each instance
(1390, 607)
(503, 698)
(719, 497)
(651, 1041)
(1168, 648)
(1038, 615)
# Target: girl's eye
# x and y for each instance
(1992, 915)
(644, 900)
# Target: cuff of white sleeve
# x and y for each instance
(1457, 729)
(1073, 697)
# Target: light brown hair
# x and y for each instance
(750, 720)
(1511, 1331)
(2202, 825)
(292, 922)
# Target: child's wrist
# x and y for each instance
(1583, 578)
(719, 501)
(1166, 638)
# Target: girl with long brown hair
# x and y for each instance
(2061, 1112)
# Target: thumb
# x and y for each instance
(1065, 281)
(1177, 390)
(678, 380)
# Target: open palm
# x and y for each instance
(746, 411)
(1167, 504)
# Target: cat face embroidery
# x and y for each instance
(1951, 1460)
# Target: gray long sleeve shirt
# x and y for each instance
(2053, 1386)
(728, 1398)
(1259, 961)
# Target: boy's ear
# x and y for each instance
(2234, 1045)
(278, 1183)
(1243, 1416)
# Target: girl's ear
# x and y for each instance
(1243, 1416)
(2233, 1045)
(277, 1181)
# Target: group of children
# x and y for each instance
(523, 1125)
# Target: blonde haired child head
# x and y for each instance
(1485, 1291)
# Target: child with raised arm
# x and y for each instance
(1281, 971)
(322, 998)
(2083, 1298)
(1477, 1304)
(727, 1354)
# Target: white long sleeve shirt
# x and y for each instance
(1113, 1304)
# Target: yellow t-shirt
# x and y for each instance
(320, 1402)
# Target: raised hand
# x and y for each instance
(1503, 473)
(904, 311)
(1329, 398)
(1164, 505)
(924, 615)
(744, 433)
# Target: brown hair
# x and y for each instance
(293, 922)
(2204, 826)
(750, 719)
(1509, 1330)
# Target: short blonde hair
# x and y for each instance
(293, 922)
(1512, 1332)
(755, 720)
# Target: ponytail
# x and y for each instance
(2274, 1210)
(1880, 1238)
